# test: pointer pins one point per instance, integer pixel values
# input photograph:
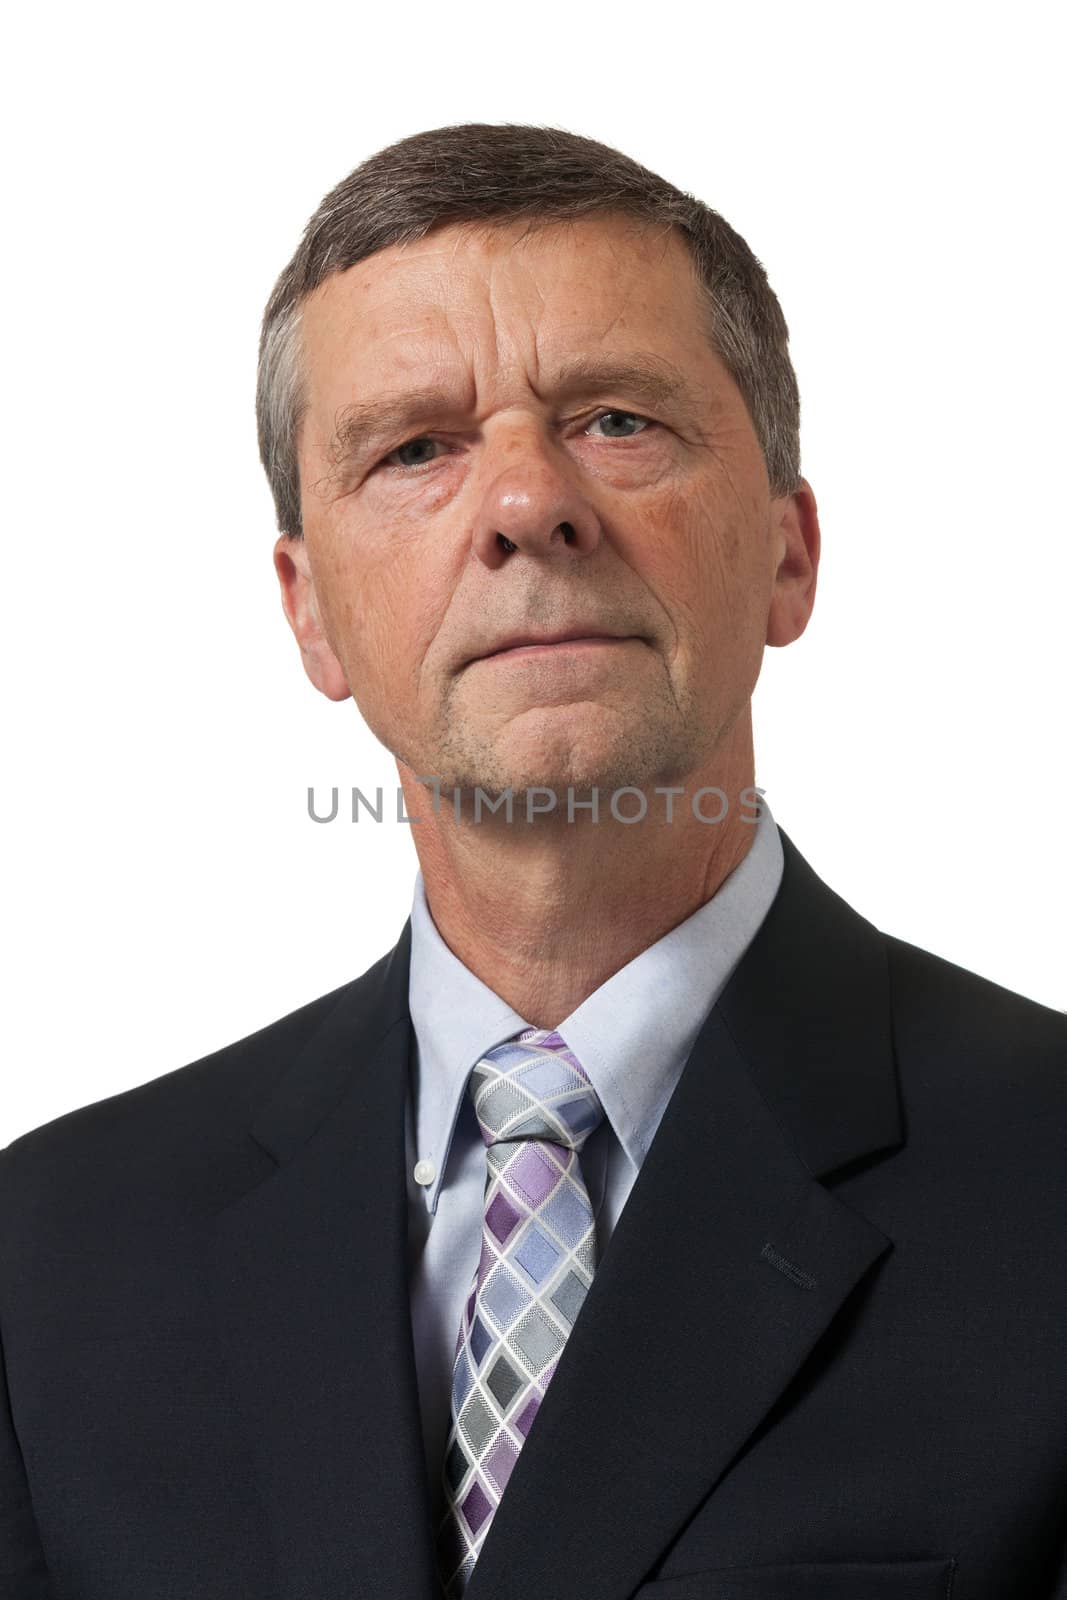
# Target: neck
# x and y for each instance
(544, 912)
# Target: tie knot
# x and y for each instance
(533, 1087)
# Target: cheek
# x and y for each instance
(692, 543)
(384, 609)
(700, 549)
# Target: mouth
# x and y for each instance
(548, 644)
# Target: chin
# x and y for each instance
(591, 748)
(580, 773)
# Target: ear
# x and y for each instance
(796, 543)
(301, 607)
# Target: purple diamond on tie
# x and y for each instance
(502, 1217)
(524, 1419)
(531, 1175)
(500, 1461)
(476, 1507)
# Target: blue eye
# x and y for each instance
(399, 458)
(626, 416)
(412, 444)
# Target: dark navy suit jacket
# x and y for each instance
(824, 1354)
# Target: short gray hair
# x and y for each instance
(485, 173)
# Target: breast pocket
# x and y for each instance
(825, 1580)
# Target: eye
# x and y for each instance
(397, 457)
(614, 417)
(423, 448)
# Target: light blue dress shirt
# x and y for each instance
(633, 1036)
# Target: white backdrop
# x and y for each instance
(900, 175)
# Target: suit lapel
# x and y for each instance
(727, 1265)
(309, 1271)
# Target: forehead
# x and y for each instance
(497, 300)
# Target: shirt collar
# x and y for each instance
(633, 1035)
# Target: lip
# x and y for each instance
(522, 644)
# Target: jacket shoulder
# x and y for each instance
(189, 1114)
(978, 1032)
(930, 984)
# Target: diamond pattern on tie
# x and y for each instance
(536, 1108)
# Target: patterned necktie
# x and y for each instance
(535, 1107)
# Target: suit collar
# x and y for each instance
(728, 1264)
(812, 987)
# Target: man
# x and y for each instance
(645, 1221)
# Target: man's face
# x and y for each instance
(517, 436)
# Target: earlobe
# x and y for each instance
(797, 543)
(300, 604)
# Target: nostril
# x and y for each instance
(568, 532)
(506, 542)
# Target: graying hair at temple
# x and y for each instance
(485, 173)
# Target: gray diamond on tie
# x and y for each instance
(568, 1298)
(537, 1339)
(504, 1381)
(477, 1423)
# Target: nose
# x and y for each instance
(533, 506)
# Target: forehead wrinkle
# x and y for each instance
(653, 374)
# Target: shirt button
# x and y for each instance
(425, 1172)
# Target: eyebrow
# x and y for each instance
(650, 378)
